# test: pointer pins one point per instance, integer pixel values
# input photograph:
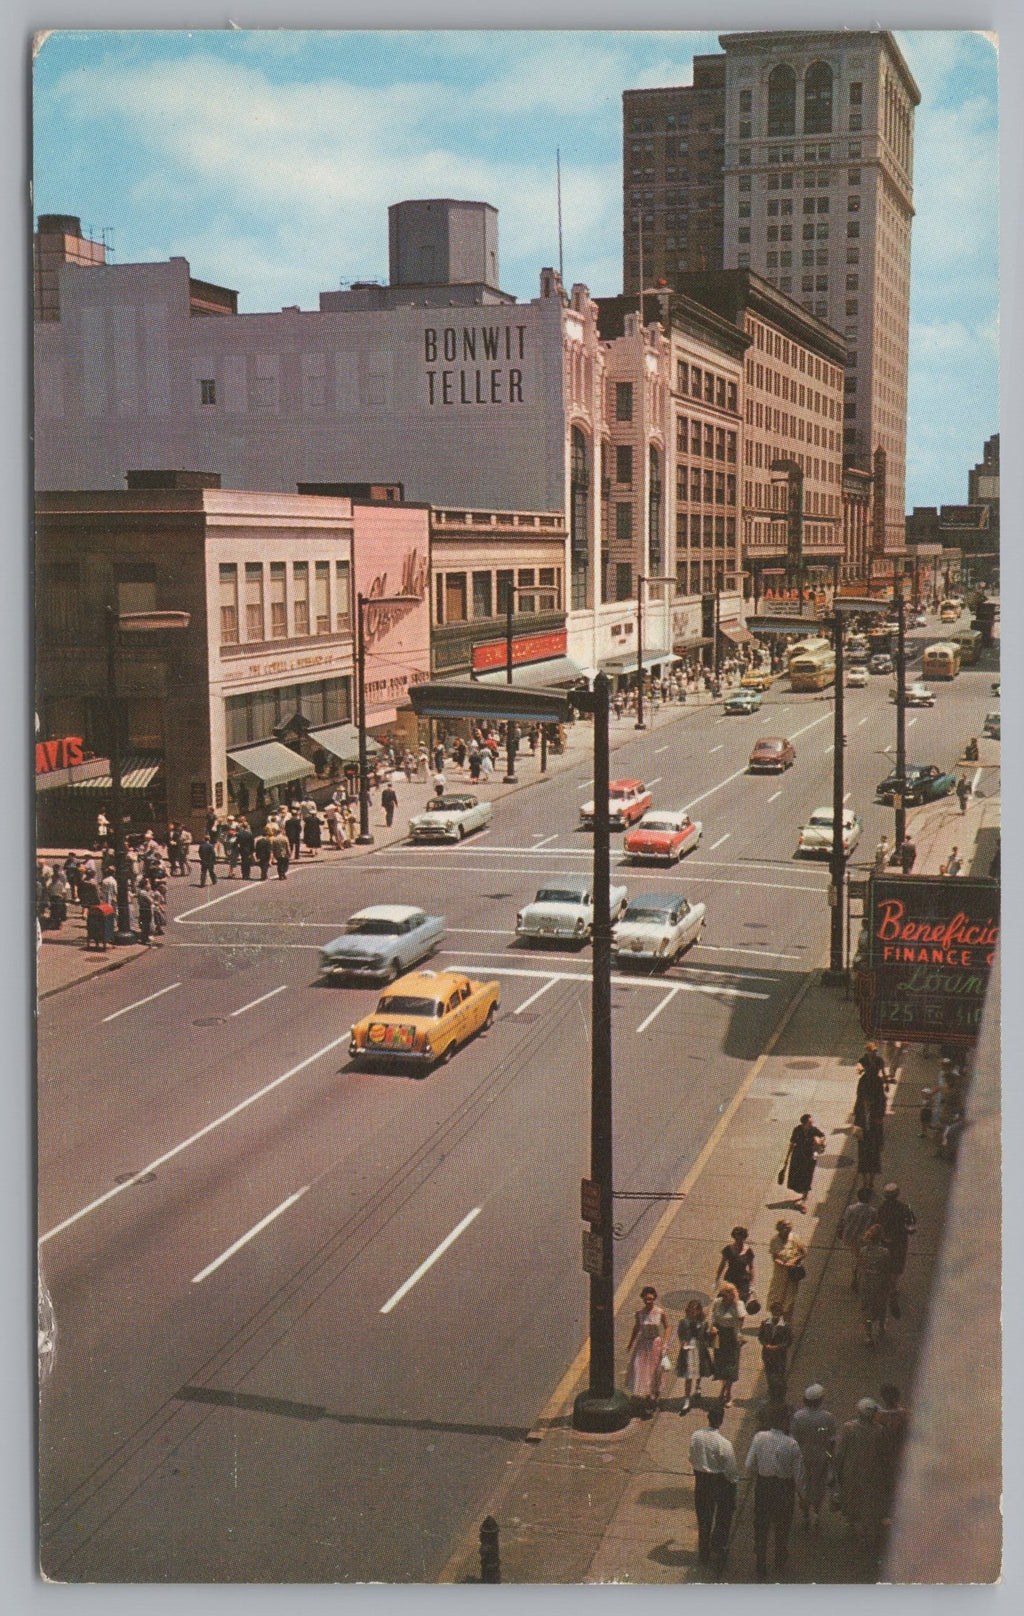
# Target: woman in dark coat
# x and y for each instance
(727, 1315)
(311, 832)
(869, 1120)
(695, 1361)
(806, 1143)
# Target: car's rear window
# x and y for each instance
(374, 928)
(559, 895)
(405, 1004)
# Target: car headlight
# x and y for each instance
(377, 960)
(450, 824)
(519, 921)
(580, 924)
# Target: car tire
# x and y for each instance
(489, 1019)
(462, 832)
(446, 1054)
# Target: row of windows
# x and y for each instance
(756, 453)
(294, 610)
(713, 487)
(766, 496)
(702, 578)
(783, 386)
(693, 382)
(776, 346)
(257, 714)
(703, 532)
(460, 597)
(696, 437)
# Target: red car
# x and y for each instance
(628, 801)
(772, 753)
(664, 835)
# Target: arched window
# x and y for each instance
(579, 537)
(818, 100)
(654, 505)
(781, 101)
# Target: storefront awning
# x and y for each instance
(737, 633)
(137, 772)
(342, 741)
(549, 674)
(694, 643)
(272, 763)
(627, 664)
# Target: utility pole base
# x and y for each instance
(364, 841)
(593, 1413)
(639, 725)
(835, 979)
(510, 779)
(122, 938)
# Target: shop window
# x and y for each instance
(278, 602)
(254, 600)
(482, 594)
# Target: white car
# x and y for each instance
(917, 695)
(450, 818)
(563, 910)
(656, 928)
(857, 678)
(816, 835)
(628, 801)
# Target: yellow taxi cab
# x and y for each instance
(424, 1017)
(757, 679)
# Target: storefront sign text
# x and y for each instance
(461, 366)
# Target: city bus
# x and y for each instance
(806, 648)
(949, 611)
(813, 670)
(881, 642)
(941, 660)
(970, 642)
(856, 647)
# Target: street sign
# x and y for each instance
(590, 1200)
(593, 1253)
(489, 701)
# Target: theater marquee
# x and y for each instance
(931, 942)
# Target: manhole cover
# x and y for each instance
(802, 1065)
(209, 1021)
(126, 1178)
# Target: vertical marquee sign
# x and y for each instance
(931, 941)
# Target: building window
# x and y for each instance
(278, 602)
(547, 579)
(856, 95)
(254, 600)
(623, 580)
(624, 522)
(744, 210)
(136, 587)
(853, 204)
(455, 597)
(746, 130)
(481, 594)
(623, 401)
(851, 307)
(682, 376)
(856, 124)
(694, 484)
(781, 101)
(853, 255)
(853, 228)
(818, 100)
(744, 182)
(746, 100)
(744, 158)
(743, 233)
(732, 399)
(208, 390)
(624, 463)
(709, 387)
(228, 604)
(823, 204)
(343, 597)
(682, 434)
(854, 176)
(695, 437)
(323, 597)
(300, 601)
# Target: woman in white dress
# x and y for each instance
(644, 1350)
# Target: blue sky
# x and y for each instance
(269, 159)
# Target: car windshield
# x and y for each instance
(617, 792)
(647, 909)
(406, 1004)
(659, 822)
(821, 819)
(560, 895)
(448, 805)
(373, 927)
(769, 746)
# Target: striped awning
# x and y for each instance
(271, 762)
(552, 672)
(342, 741)
(137, 772)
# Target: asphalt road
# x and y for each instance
(306, 1342)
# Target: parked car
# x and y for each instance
(382, 941)
(772, 753)
(924, 782)
(816, 835)
(916, 695)
(656, 928)
(450, 818)
(757, 679)
(921, 620)
(628, 801)
(881, 662)
(664, 834)
(991, 725)
(857, 678)
(563, 910)
(423, 1018)
(743, 701)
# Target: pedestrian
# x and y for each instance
(156, 898)
(389, 802)
(246, 842)
(145, 908)
(293, 831)
(857, 1220)
(475, 765)
(57, 895)
(963, 792)
(694, 1335)
(88, 889)
(881, 855)
(422, 764)
(858, 1472)
(73, 874)
(727, 1315)
(954, 863)
(893, 1421)
(908, 854)
(776, 1338)
(207, 861)
(806, 1143)
(787, 1254)
(486, 763)
(897, 1223)
(869, 1119)
(715, 1482)
(874, 1279)
(264, 853)
(645, 1349)
(814, 1429)
(776, 1463)
(108, 889)
(281, 846)
(737, 1266)
(439, 783)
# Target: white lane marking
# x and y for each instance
(176, 1150)
(584, 784)
(261, 1000)
(761, 953)
(829, 748)
(849, 794)
(620, 981)
(655, 782)
(535, 996)
(250, 1234)
(775, 796)
(719, 842)
(658, 749)
(236, 891)
(720, 721)
(863, 720)
(424, 1267)
(648, 875)
(911, 721)
(147, 1000)
(670, 995)
(976, 781)
(824, 719)
(544, 843)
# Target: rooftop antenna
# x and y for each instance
(558, 170)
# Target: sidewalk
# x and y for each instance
(580, 1508)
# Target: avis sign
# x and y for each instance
(931, 941)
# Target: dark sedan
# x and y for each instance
(923, 782)
(772, 753)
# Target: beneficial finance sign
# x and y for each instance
(930, 946)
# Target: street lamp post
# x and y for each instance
(641, 579)
(362, 601)
(118, 623)
(901, 713)
(836, 972)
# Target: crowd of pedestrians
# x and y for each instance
(88, 882)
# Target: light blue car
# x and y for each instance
(381, 942)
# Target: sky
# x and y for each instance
(268, 159)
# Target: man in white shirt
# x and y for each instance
(715, 1481)
(775, 1462)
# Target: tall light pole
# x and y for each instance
(641, 579)
(362, 601)
(511, 745)
(900, 801)
(118, 623)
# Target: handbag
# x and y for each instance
(798, 1271)
(666, 1362)
(781, 1179)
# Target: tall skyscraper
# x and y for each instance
(815, 184)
